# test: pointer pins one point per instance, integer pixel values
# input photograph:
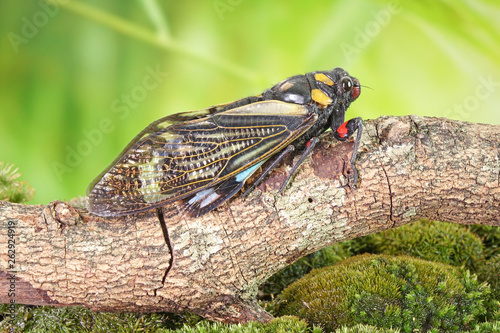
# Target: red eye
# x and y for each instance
(356, 90)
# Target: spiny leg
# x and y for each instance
(285, 152)
(310, 145)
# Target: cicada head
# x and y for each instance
(326, 89)
(335, 87)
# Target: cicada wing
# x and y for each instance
(210, 198)
(155, 127)
(166, 163)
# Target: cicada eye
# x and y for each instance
(346, 83)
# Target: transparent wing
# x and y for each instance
(202, 157)
(155, 127)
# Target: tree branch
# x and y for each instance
(409, 168)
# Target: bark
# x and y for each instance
(409, 168)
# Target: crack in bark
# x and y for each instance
(391, 216)
(414, 123)
(164, 229)
(65, 262)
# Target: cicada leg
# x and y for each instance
(342, 133)
(271, 166)
(309, 147)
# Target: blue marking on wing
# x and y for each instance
(212, 197)
(242, 176)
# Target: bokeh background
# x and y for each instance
(79, 79)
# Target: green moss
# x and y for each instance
(490, 273)
(282, 325)
(448, 243)
(490, 236)
(365, 329)
(79, 319)
(389, 292)
(10, 189)
(325, 257)
(489, 327)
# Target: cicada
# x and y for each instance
(202, 158)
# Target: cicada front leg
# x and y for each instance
(342, 133)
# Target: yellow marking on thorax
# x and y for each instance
(323, 78)
(319, 97)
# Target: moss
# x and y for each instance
(489, 327)
(283, 325)
(490, 236)
(388, 292)
(365, 329)
(11, 189)
(448, 243)
(322, 258)
(490, 273)
(80, 319)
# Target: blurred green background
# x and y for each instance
(79, 79)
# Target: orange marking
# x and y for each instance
(319, 97)
(323, 78)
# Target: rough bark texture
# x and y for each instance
(409, 168)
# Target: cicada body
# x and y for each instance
(204, 157)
